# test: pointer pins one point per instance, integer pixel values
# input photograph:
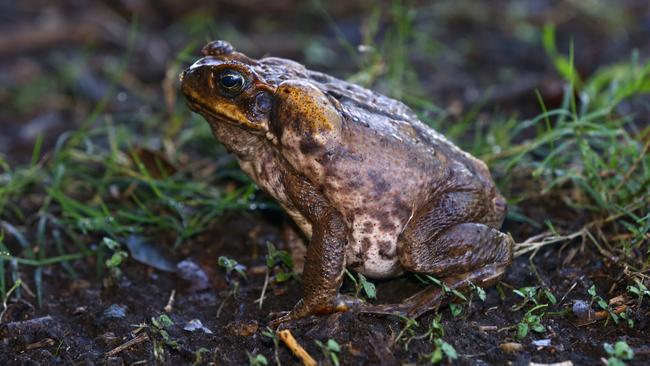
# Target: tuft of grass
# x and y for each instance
(94, 189)
(589, 155)
(111, 178)
(593, 157)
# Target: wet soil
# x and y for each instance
(83, 322)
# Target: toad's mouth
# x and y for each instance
(213, 116)
(210, 114)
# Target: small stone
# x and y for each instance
(581, 308)
(542, 343)
(115, 311)
(194, 325)
(192, 273)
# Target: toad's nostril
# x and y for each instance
(188, 82)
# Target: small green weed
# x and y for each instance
(532, 295)
(281, 263)
(235, 272)
(434, 334)
(428, 279)
(603, 304)
(269, 333)
(113, 263)
(362, 283)
(455, 308)
(330, 350)
(160, 325)
(442, 350)
(639, 290)
(531, 321)
(479, 291)
(159, 335)
(532, 318)
(198, 356)
(408, 330)
(618, 353)
(256, 359)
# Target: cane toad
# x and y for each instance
(372, 188)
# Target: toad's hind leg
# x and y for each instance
(457, 254)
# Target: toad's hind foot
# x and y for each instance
(458, 255)
(434, 296)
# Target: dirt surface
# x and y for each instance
(85, 321)
(483, 59)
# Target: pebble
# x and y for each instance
(581, 308)
(115, 311)
(192, 273)
(195, 324)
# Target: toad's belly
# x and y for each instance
(372, 247)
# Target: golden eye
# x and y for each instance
(231, 81)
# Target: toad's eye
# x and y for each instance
(231, 81)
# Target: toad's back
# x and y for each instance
(386, 164)
(375, 115)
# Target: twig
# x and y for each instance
(139, 339)
(567, 293)
(538, 241)
(288, 339)
(170, 303)
(266, 284)
(47, 342)
(223, 303)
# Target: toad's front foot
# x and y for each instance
(306, 308)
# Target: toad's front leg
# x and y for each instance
(325, 262)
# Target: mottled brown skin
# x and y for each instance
(373, 188)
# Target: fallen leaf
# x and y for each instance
(152, 255)
(243, 329)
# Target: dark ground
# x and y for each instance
(483, 55)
